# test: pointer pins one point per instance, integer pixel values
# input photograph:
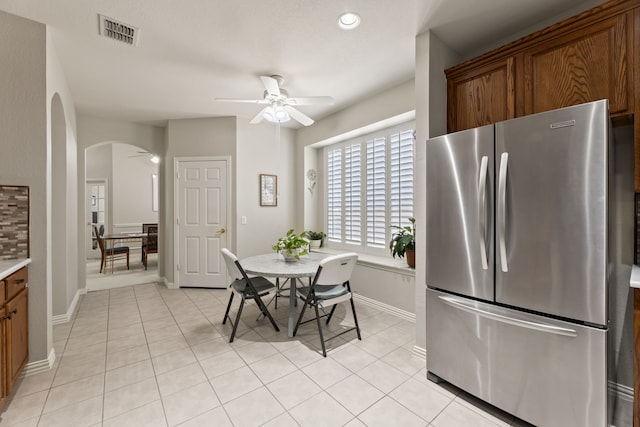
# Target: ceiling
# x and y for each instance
(192, 51)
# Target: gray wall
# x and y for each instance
(23, 132)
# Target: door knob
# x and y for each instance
(221, 231)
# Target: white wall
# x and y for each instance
(23, 159)
(132, 195)
(261, 151)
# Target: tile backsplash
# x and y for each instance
(14, 222)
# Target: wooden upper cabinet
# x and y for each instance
(581, 59)
(481, 97)
(582, 66)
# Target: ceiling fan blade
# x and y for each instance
(247, 101)
(258, 118)
(271, 85)
(297, 115)
(310, 100)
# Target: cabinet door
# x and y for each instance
(482, 96)
(3, 371)
(17, 336)
(582, 66)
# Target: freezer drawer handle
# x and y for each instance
(482, 210)
(557, 330)
(502, 211)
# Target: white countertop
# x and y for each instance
(635, 276)
(8, 266)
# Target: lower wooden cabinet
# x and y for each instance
(3, 360)
(17, 335)
(14, 330)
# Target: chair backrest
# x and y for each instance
(98, 238)
(232, 268)
(152, 236)
(336, 269)
(145, 227)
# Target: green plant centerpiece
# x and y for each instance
(292, 246)
(403, 242)
(315, 238)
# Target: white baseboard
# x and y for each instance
(64, 318)
(38, 366)
(168, 284)
(385, 307)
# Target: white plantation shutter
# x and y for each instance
(376, 192)
(352, 194)
(369, 187)
(334, 194)
(401, 192)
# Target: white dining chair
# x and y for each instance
(330, 286)
(254, 288)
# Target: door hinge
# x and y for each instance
(177, 175)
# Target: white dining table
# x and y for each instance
(273, 265)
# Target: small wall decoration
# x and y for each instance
(311, 176)
(268, 190)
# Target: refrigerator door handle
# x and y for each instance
(502, 211)
(543, 327)
(482, 210)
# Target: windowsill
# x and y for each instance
(383, 263)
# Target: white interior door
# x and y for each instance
(95, 213)
(201, 223)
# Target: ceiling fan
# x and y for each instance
(154, 158)
(280, 107)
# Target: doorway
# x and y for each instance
(95, 212)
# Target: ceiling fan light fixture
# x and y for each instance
(276, 114)
(348, 20)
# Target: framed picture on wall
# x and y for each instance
(268, 190)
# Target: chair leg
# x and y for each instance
(127, 260)
(324, 351)
(333, 309)
(226, 313)
(235, 325)
(355, 318)
(145, 259)
(263, 308)
(304, 307)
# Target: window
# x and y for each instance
(369, 187)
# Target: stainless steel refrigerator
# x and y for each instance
(516, 264)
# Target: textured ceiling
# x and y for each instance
(193, 51)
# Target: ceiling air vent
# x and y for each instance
(119, 31)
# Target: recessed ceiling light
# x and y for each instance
(349, 20)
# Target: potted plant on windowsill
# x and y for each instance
(315, 238)
(292, 246)
(403, 242)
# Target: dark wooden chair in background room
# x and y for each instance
(150, 246)
(121, 252)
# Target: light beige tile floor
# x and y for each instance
(149, 356)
